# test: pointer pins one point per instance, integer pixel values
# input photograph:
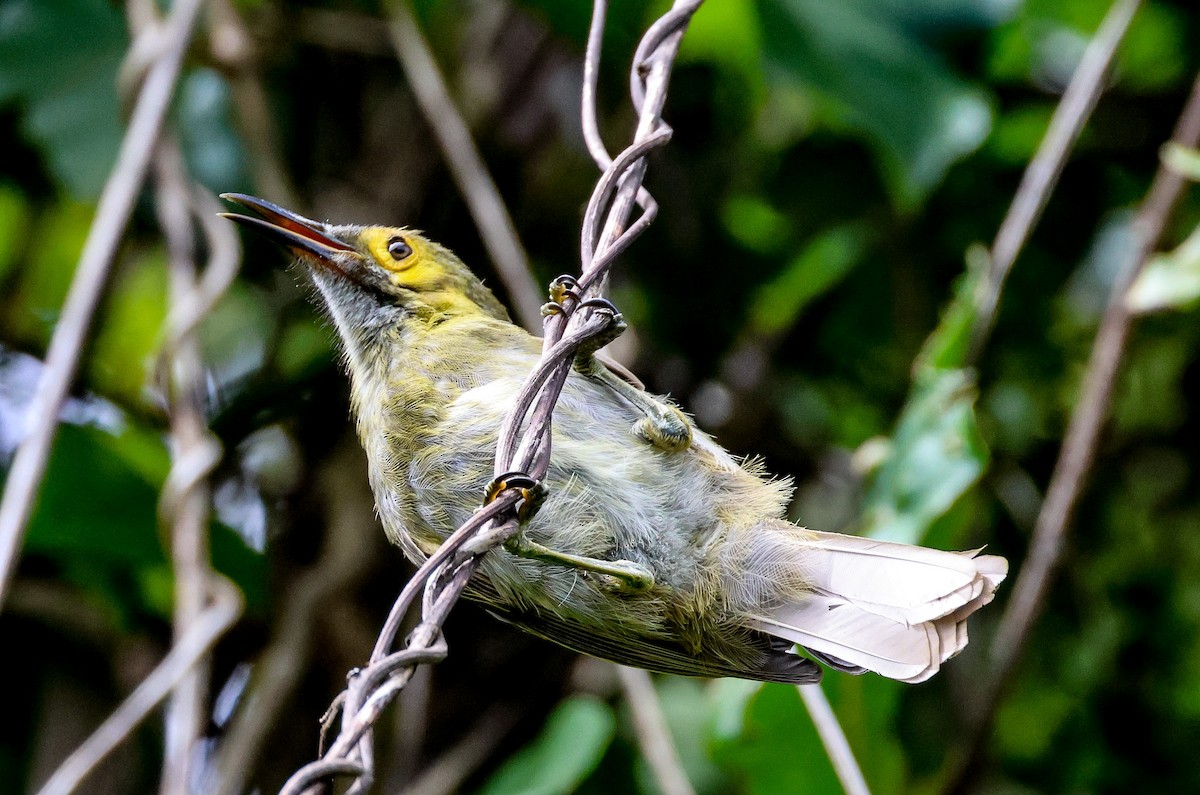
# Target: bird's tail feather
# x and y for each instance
(895, 609)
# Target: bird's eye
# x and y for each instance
(399, 249)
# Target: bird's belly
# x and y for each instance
(611, 495)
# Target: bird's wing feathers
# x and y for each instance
(854, 636)
(885, 572)
(777, 663)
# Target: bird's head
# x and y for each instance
(372, 279)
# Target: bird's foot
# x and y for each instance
(532, 492)
(585, 356)
(664, 426)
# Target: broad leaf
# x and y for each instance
(58, 63)
(877, 79)
(815, 270)
(570, 746)
(1169, 281)
(777, 749)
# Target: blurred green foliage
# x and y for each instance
(59, 62)
(803, 291)
(570, 746)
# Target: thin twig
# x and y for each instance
(222, 612)
(1043, 172)
(99, 250)
(591, 79)
(450, 771)
(185, 503)
(347, 554)
(231, 45)
(654, 737)
(834, 739)
(465, 163)
(184, 511)
(1079, 447)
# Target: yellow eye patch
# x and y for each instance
(394, 249)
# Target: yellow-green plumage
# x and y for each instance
(435, 365)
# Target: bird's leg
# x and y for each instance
(630, 576)
(664, 426)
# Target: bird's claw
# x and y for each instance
(562, 288)
(634, 578)
(532, 492)
(667, 428)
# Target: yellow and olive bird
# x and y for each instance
(653, 547)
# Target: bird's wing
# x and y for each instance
(777, 663)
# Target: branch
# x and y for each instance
(1043, 172)
(521, 458)
(112, 216)
(466, 165)
(231, 46)
(450, 771)
(654, 737)
(184, 504)
(347, 553)
(1079, 447)
(834, 739)
(222, 612)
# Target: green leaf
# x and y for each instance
(1045, 42)
(94, 504)
(1153, 56)
(935, 455)
(1028, 721)
(949, 344)
(130, 332)
(98, 508)
(32, 308)
(14, 221)
(1183, 160)
(937, 451)
(234, 336)
(814, 271)
(305, 346)
(1169, 281)
(59, 62)
(755, 224)
(876, 79)
(867, 708)
(570, 746)
(778, 749)
(1151, 395)
(727, 33)
(730, 701)
(1019, 132)
(688, 707)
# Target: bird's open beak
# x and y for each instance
(302, 235)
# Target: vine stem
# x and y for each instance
(1078, 451)
(1044, 170)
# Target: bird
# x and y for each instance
(651, 545)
